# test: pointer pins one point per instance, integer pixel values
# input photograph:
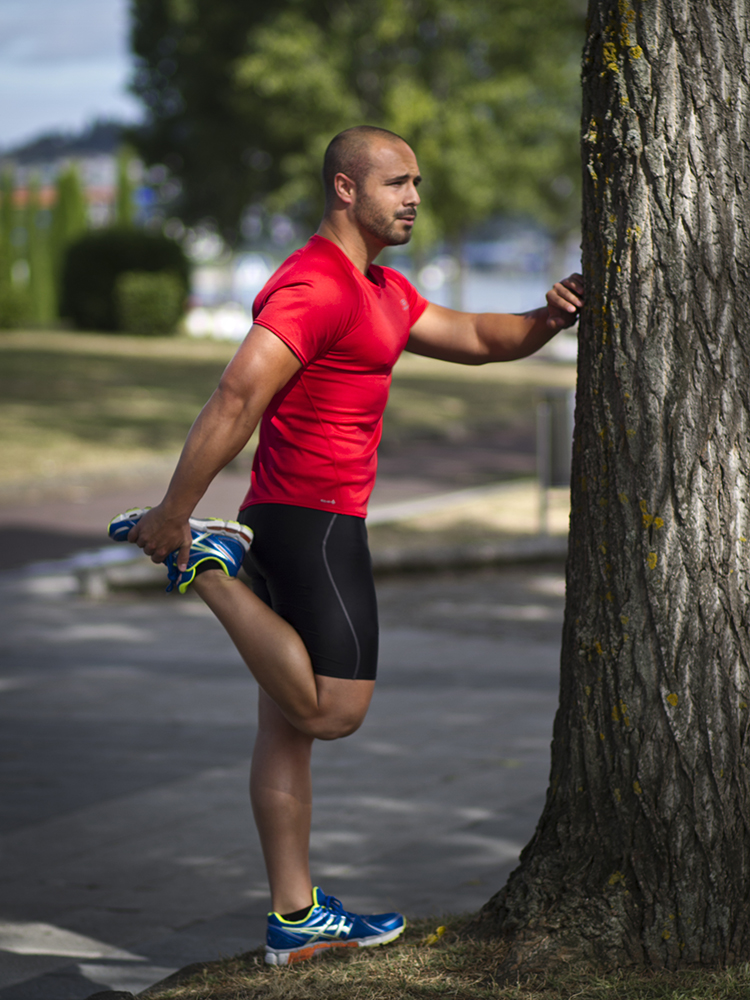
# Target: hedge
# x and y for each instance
(149, 303)
(95, 261)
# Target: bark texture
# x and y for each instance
(642, 854)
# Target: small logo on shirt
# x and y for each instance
(404, 305)
(328, 501)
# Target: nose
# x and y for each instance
(413, 195)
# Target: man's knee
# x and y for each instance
(332, 727)
(341, 709)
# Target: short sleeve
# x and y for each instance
(305, 315)
(416, 302)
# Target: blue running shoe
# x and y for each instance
(222, 542)
(327, 925)
(119, 527)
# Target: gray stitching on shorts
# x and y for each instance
(338, 595)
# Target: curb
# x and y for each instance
(536, 548)
(175, 979)
(94, 574)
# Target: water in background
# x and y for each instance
(223, 292)
(492, 291)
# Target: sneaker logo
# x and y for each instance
(213, 547)
(334, 927)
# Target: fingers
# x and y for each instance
(160, 544)
(158, 538)
(564, 300)
(567, 294)
(183, 555)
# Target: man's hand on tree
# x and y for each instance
(158, 533)
(564, 300)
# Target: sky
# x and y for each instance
(63, 63)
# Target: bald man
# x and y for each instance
(315, 370)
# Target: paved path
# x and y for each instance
(126, 728)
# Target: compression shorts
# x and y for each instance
(313, 568)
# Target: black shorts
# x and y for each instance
(313, 568)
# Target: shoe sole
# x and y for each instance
(214, 525)
(291, 957)
(129, 515)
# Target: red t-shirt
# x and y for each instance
(319, 434)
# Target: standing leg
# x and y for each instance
(281, 795)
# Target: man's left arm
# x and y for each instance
(475, 338)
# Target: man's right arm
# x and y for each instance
(260, 368)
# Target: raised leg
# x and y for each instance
(323, 707)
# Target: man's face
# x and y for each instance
(387, 199)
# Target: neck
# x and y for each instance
(359, 247)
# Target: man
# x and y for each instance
(316, 367)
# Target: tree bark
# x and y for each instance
(642, 854)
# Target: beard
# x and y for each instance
(383, 227)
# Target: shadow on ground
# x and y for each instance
(20, 545)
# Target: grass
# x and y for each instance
(75, 404)
(452, 409)
(418, 967)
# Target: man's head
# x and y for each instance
(372, 174)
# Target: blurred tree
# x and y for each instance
(7, 213)
(69, 217)
(125, 192)
(14, 299)
(242, 100)
(41, 283)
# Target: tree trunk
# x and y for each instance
(642, 853)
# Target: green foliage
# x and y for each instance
(149, 303)
(124, 207)
(94, 262)
(69, 216)
(15, 306)
(7, 218)
(27, 292)
(69, 220)
(42, 298)
(242, 100)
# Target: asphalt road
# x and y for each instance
(126, 728)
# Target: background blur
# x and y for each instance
(159, 158)
(207, 121)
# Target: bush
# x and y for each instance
(15, 306)
(149, 303)
(95, 261)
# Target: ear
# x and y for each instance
(345, 188)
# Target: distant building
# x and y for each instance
(94, 153)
